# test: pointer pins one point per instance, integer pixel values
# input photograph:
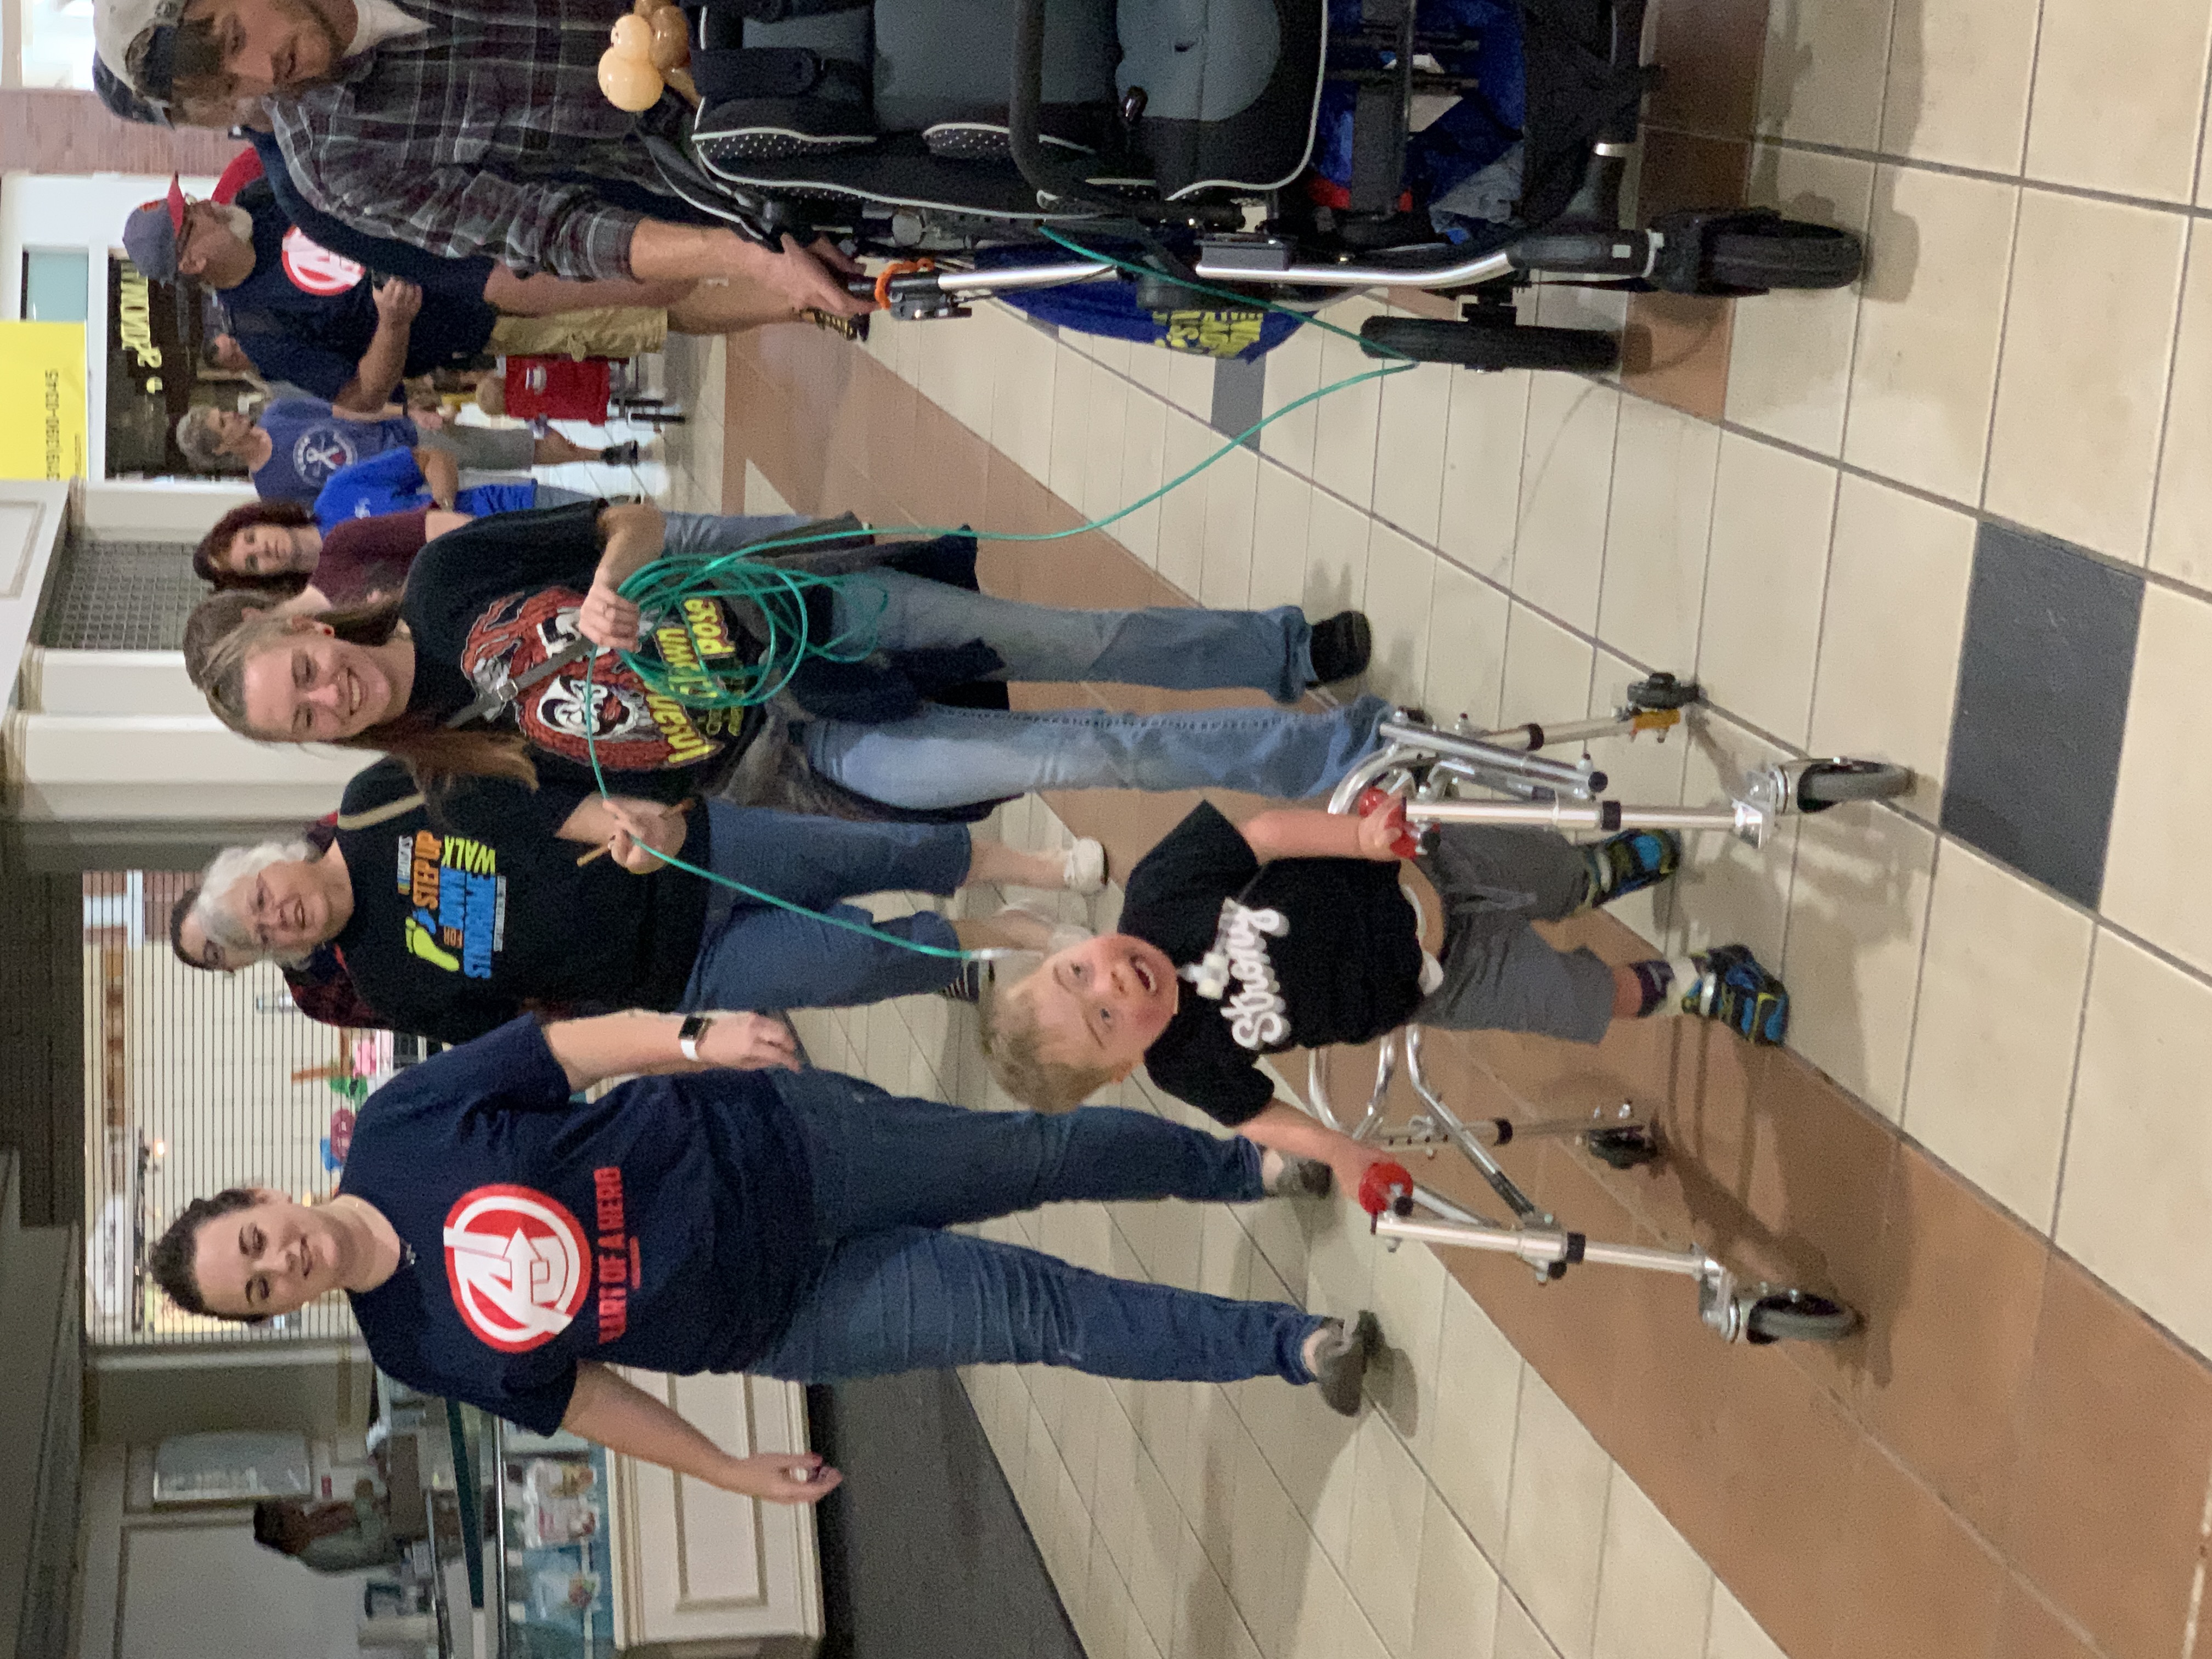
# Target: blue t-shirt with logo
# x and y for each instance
(393, 483)
(668, 1225)
(308, 445)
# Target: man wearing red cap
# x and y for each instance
(312, 317)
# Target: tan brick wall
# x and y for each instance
(43, 130)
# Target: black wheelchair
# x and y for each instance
(956, 138)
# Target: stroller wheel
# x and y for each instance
(1483, 345)
(1797, 1316)
(1784, 253)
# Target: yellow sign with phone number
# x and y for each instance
(42, 400)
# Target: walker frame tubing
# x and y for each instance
(1555, 794)
(1535, 1236)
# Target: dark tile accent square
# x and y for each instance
(1238, 389)
(2043, 701)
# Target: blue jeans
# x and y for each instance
(709, 533)
(755, 956)
(899, 1293)
(946, 757)
(1174, 648)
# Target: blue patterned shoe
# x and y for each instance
(1630, 862)
(1733, 988)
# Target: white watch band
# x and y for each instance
(695, 1027)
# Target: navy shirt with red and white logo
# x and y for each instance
(668, 1225)
(305, 316)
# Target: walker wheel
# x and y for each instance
(1625, 1148)
(1662, 690)
(1824, 783)
(1797, 1316)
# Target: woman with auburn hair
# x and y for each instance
(480, 668)
(363, 534)
(277, 548)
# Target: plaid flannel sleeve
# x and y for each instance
(529, 226)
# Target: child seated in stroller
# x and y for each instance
(1294, 931)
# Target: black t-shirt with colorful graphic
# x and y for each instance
(668, 1225)
(503, 593)
(463, 917)
(1321, 951)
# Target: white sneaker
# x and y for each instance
(1086, 869)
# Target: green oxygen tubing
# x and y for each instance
(779, 596)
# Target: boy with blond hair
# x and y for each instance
(1294, 932)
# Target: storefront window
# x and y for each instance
(56, 285)
(57, 43)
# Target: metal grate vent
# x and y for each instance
(120, 596)
(195, 1082)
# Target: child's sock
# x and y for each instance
(1666, 984)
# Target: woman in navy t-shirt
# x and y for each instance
(504, 1244)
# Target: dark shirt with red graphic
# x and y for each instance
(501, 594)
(668, 1225)
(306, 315)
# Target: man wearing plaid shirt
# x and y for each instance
(462, 126)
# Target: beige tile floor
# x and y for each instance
(1469, 1516)
(2032, 342)
(1525, 546)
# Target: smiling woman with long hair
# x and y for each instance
(858, 735)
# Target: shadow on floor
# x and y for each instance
(925, 1554)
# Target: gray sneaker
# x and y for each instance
(1298, 1177)
(1339, 1358)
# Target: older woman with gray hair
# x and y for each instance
(496, 913)
(291, 447)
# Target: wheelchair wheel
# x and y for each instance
(1489, 345)
(1784, 253)
(1797, 1316)
(1824, 783)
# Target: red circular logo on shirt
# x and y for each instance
(517, 1264)
(315, 269)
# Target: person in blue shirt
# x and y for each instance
(502, 1243)
(403, 480)
(292, 448)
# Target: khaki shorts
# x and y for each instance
(602, 331)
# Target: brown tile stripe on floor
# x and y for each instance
(1676, 347)
(2009, 1463)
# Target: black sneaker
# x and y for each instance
(1339, 1360)
(623, 455)
(1341, 646)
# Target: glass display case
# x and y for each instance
(554, 1566)
(533, 1547)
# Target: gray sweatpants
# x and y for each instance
(484, 448)
(1498, 975)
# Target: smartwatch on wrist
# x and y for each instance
(689, 1033)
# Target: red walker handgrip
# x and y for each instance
(1386, 1187)
(1408, 842)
